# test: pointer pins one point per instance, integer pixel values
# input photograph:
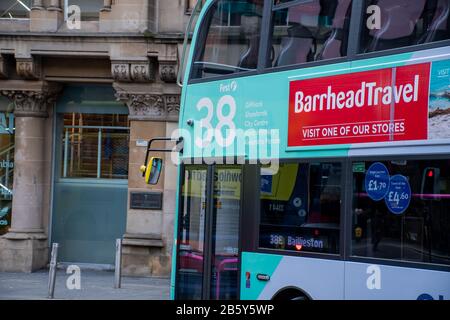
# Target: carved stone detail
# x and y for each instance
(28, 68)
(172, 102)
(141, 72)
(121, 72)
(54, 6)
(143, 106)
(168, 71)
(32, 103)
(132, 71)
(37, 5)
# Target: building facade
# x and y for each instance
(84, 84)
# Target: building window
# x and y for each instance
(15, 9)
(89, 9)
(401, 210)
(95, 146)
(6, 164)
(190, 5)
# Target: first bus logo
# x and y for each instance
(228, 87)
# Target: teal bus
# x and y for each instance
(315, 159)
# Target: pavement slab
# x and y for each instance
(95, 285)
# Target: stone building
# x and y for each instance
(84, 84)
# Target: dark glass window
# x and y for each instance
(6, 163)
(310, 31)
(95, 146)
(225, 232)
(229, 42)
(191, 237)
(278, 2)
(402, 226)
(301, 207)
(13, 9)
(399, 23)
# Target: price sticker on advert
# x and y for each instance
(398, 196)
(377, 181)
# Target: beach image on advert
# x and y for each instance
(439, 113)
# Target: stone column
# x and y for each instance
(55, 5)
(37, 5)
(46, 20)
(24, 248)
(148, 238)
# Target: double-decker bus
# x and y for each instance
(316, 151)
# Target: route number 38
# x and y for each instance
(224, 121)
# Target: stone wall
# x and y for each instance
(134, 46)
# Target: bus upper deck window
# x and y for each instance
(400, 23)
(229, 41)
(439, 26)
(310, 31)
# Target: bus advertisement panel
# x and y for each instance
(372, 106)
(334, 108)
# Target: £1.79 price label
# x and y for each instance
(377, 181)
(398, 196)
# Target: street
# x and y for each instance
(94, 285)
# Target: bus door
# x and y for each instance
(209, 214)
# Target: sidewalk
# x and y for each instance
(94, 285)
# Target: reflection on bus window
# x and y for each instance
(225, 232)
(404, 23)
(421, 233)
(14, 9)
(300, 208)
(310, 31)
(7, 148)
(229, 42)
(192, 225)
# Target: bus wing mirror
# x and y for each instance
(152, 170)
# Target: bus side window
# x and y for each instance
(404, 23)
(310, 31)
(297, 44)
(251, 26)
(398, 24)
(439, 27)
(336, 44)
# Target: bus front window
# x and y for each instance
(229, 42)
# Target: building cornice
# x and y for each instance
(30, 98)
(171, 37)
